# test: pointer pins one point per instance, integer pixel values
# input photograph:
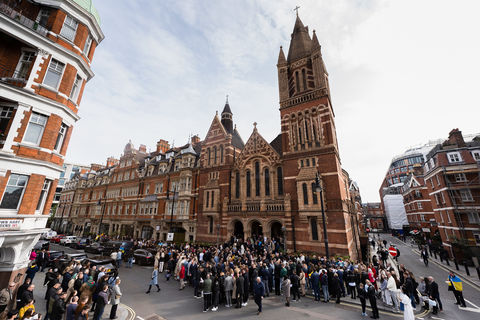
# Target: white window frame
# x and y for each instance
(23, 189)
(460, 177)
(43, 195)
(41, 13)
(72, 26)
(60, 137)
(466, 195)
(39, 138)
(449, 220)
(438, 180)
(87, 46)
(473, 217)
(76, 87)
(476, 155)
(454, 157)
(61, 75)
(21, 60)
(419, 206)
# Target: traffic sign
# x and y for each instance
(392, 251)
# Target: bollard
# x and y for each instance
(435, 253)
(478, 272)
(456, 264)
(466, 268)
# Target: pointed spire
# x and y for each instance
(226, 109)
(315, 43)
(281, 57)
(301, 44)
(227, 117)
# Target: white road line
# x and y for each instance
(140, 318)
(472, 304)
(437, 318)
(469, 309)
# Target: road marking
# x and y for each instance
(473, 304)
(140, 318)
(469, 309)
(437, 318)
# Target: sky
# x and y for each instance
(401, 73)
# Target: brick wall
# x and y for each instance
(31, 194)
(50, 133)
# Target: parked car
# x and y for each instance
(95, 247)
(63, 261)
(106, 262)
(80, 243)
(53, 257)
(57, 238)
(143, 257)
(41, 244)
(68, 240)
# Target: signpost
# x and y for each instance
(392, 251)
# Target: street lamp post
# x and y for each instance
(103, 213)
(319, 189)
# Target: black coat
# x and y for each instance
(240, 285)
(434, 290)
(58, 309)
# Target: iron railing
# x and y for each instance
(23, 20)
(12, 76)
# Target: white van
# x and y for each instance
(50, 234)
(68, 240)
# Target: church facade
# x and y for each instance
(269, 188)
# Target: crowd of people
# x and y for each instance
(78, 292)
(229, 275)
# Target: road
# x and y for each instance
(414, 263)
(171, 303)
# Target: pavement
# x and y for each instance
(410, 257)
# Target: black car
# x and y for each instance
(95, 247)
(62, 262)
(106, 262)
(54, 257)
(143, 257)
(80, 243)
(42, 244)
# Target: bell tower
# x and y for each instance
(304, 94)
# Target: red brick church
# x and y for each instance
(268, 188)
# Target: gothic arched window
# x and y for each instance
(257, 179)
(305, 193)
(304, 76)
(209, 156)
(314, 193)
(247, 184)
(237, 184)
(215, 155)
(280, 181)
(267, 181)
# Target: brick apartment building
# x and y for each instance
(452, 176)
(418, 204)
(374, 216)
(46, 50)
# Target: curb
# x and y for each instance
(131, 312)
(470, 282)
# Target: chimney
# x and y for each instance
(142, 148)
(195, 139)
(162, 146)
(455, 137)
(111, 161)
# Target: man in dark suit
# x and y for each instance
(434, 294)
(258, 293)
(373, 299)
(240, 287)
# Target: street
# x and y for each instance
(414, 263)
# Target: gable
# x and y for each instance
(255, 147)
(216, 131)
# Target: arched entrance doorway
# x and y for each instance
(257, 229)
(238, 229)
(147, 232)
(276, 231)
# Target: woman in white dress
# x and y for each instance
(407, 305)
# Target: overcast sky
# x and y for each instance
(401, 73)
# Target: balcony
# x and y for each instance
(257, 206)
(12, 76)
(22, 19)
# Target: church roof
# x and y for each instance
(300, 44)
(237, 141)
(277, 144)
(281, 57)
(227, 109)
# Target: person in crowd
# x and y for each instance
(424, 255)
(153, 281)
(207, 292)
(27, 295)
(434, 294)
(362, 295)
(228, 287)
(324, 281)
(71, 307)
(455, 285)
(115, 298)
(59, 307)
(240, 286)
(371, 295)
(258, 293)
(102, 301)
(119, 258)
(7, 298)
(286, 290)
(28, 306)
(403, 297)
(315, 283)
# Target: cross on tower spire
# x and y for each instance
(296, 9)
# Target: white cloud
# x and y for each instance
(401, 73)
